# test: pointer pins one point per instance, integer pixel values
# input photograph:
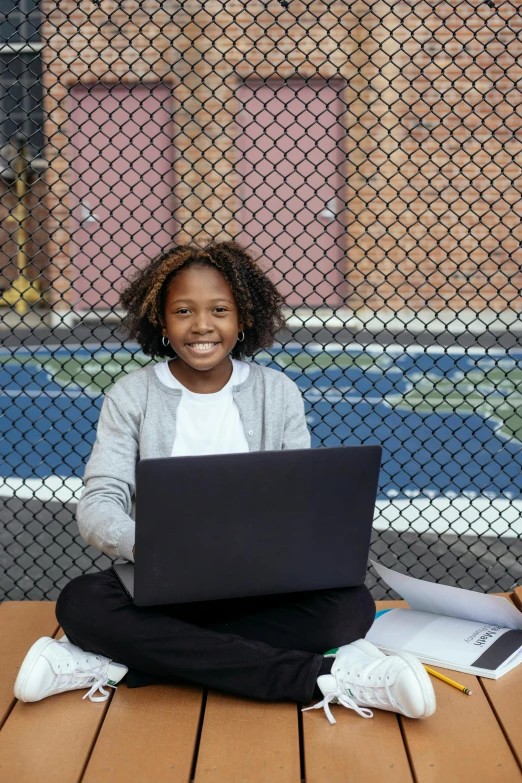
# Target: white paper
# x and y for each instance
(449, 639)
(452, 601)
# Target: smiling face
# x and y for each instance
(202, 324)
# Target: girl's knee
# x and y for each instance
(84, 611)
(78, 597)
(355, 615)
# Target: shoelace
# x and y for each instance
(79, 673)
(371, 695)
(98, 685)
(343, 699)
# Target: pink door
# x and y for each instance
(291, 189)
(122, 185)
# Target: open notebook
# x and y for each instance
(450, 627)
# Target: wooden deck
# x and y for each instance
(171, 734)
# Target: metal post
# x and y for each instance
(23, 292)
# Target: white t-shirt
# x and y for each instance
(207, 423)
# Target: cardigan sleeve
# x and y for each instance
(103, 513)
(296, 434)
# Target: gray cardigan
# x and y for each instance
(138, 421)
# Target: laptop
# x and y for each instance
(257, 523)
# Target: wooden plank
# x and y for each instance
(461, 741)
(516, 597)
(50, 740)
(355, 748)
(148, 734)
(505, 697)
(21, 624)
(380, 605)
(346, 751)
(246, 741)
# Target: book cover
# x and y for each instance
(450, 627)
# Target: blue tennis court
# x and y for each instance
(449, 422)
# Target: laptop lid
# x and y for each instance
(230, 525)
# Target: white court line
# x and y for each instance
(33, 393)
(456, 515)
(394, 348)
(313, 395)
(63, 490)
(477, 516)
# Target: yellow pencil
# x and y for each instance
(447, 679)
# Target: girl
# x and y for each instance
(204, 311)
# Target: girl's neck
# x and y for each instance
(202, 381)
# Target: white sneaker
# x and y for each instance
(53, 666)
(362, 676)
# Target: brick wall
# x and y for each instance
(433, 128)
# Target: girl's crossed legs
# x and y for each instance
(263, 647)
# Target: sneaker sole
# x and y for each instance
(423, 678)
(28, 664)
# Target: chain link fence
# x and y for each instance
(368, 152)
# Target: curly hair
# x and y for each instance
(258, 300)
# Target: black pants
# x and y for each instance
(267, 647)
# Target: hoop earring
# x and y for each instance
(165, 344)
(240, 340)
